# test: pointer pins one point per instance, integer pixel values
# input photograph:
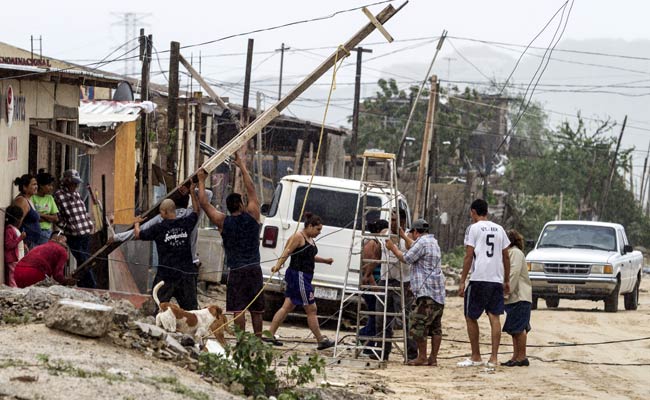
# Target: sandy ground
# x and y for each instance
(124, 374)
(572, 322)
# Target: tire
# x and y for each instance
(552, 302)
(611, 301)
(534, 303)
(272, 303)
(632, 299)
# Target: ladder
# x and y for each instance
(353, 290)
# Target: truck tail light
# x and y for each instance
(270, 236)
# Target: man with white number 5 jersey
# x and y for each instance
(486, 255)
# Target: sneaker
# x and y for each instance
(469, 363)
(273, 340)
(325, 343)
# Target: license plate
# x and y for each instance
(566, 289)
(326, 293)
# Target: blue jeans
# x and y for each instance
(80, 248)
(45, 236)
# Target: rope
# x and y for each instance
(311, 179)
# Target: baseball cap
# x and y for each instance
(72, 175)
(420, 224)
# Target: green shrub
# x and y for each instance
(250, 364)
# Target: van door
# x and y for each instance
(336, 207)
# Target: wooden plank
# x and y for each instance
(89, 147)
(260, 122)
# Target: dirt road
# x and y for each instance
(75, 367)
(573, 322)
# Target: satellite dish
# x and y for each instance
(124, 92)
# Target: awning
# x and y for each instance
(89, 147)
(107, 113)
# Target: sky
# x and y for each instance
(86, 32)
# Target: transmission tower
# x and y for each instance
(130, 21)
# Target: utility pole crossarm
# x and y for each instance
(260, 122)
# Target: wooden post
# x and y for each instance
(612, 169)
(355, 113)
(432, 168)
(247, 83)
(261, 121)
(259, 154)
(198, 129)
(145, 167)
(424, 155)
(172, 109)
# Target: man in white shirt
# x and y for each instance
(486, 254)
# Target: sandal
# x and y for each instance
(273, 340)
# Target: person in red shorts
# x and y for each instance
(45, 260)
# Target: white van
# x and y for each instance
(335, 201)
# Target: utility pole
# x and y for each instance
(146, 44)
(424, 155)
(247, 82)
(643, 179)
(172, 108)
(612, 169)
(258, 153)
(355, 112)
(432, 168)
(281, 50)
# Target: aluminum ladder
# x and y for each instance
(353, 290)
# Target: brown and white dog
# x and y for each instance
(198, 323)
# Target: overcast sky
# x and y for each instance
(88, 31)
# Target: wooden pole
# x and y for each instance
(424, 154)
(612, 169)
(172, 109)
(355, 113)
(247, 82)
(145, 173)
(261, 121)
(432, 168)
(259, 154)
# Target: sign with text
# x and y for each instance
(32, 62)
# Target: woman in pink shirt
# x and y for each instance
(45, 260)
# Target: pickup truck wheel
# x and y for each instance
(611, 302)
(632, 299)
(552, 302)
(533, 305)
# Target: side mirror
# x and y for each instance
(627, 248)
(264, 210)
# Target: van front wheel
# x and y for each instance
(272, 303)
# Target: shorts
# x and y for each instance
(182, 288)
(517, 317)
(244, 283)
(299, 289)
(482, 297)
(425, 318)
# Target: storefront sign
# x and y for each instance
(9, 108)
(14, 107)
(33, 62)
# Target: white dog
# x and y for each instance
(198, 323)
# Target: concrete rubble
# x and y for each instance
(80, 318)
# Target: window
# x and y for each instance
(579, 236)
(334, 207)
(275, 202)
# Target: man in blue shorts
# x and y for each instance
(486, 255)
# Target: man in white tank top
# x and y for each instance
(486, 257)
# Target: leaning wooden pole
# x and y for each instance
(260, 122)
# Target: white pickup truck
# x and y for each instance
(585, 260)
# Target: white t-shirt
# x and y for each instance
(488, 240)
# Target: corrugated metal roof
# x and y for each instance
(106, 113)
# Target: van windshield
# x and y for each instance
(579, 236)
(334, 207)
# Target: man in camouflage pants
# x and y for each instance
(428, 287)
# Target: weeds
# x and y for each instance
(249, 363)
